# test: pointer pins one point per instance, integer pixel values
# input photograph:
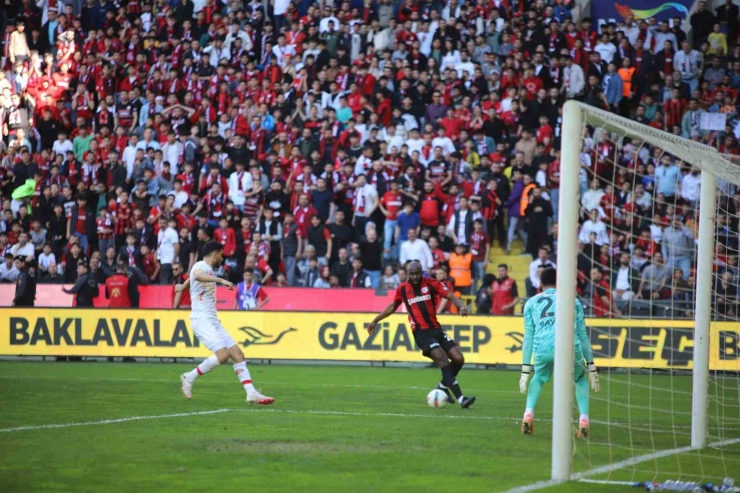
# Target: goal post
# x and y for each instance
(577, 117)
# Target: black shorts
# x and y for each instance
(429, 339)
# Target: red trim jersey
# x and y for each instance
(421, 302)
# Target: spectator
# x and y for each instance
(323, 280)
(504, 293)
(624, 280)
(389, 280)
(371, 254)
(359, 278)
(594, 226)
(416, 249)
(677, 246)
(601, 295)
(23, 248)
(653, 281)
(480, 247)
(169, 248)
(543, 259)
(342, 269)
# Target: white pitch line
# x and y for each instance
(639, 459)
(111, 421)
(647, 425)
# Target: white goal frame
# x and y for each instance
(713, 165)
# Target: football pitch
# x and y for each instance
(113, 427)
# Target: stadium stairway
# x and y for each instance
(518, 263)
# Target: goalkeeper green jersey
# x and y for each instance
(539, 328)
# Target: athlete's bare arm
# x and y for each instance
(389, 310)
(461, 307)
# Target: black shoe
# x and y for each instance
(450, 397)
(467, 402)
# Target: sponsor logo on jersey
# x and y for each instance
(425, 290)
(418, 299)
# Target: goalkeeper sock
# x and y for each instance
(533, 394)
(582, 394)
(529, 411)
(582, 417)
(207, 365)
(448, 380)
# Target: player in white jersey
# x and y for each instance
(204, 321)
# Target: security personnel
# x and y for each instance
(25, 290)
(461, 263)
(121, 290)
(85, 288)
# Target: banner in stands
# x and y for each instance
(607, 11)
(331, 336)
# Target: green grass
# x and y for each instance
(336, 429)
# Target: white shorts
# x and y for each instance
(211, 333)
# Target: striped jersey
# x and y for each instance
(421, 302)
(539, 327)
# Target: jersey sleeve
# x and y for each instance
(582, 334)
(528, 333)
(440, 288)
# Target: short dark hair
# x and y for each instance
(549, 277)
(212, 246)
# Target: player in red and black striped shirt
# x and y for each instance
(420, 294)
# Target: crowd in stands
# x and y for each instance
(325, 143)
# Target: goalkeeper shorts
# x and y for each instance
(544, 365)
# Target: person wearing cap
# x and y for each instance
(25, 290)
(85, 289)
(461, 269)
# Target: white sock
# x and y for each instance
(460, 399)
(207, 365)
(583, 416)
(442, 386)
(242, 373)
(529, 411)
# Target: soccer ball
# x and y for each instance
(437, 398)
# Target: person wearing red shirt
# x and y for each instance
(149, 263)
(604, 305)
(303, 213)
(226, 236)
(545, 133)
(480, 246)
(453, 126)
(122, 291)
(180, 299)
(504, 293)
(390, 205)
(419, 295)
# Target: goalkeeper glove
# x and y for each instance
(593, 375)
(526, 370)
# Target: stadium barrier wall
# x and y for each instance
(653, 344)
(281, 299)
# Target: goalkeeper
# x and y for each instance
(539, 335)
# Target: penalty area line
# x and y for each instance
(111, 421)
(633, 461)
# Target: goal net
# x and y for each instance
(651, 249)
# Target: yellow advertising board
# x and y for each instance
(342, 336)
